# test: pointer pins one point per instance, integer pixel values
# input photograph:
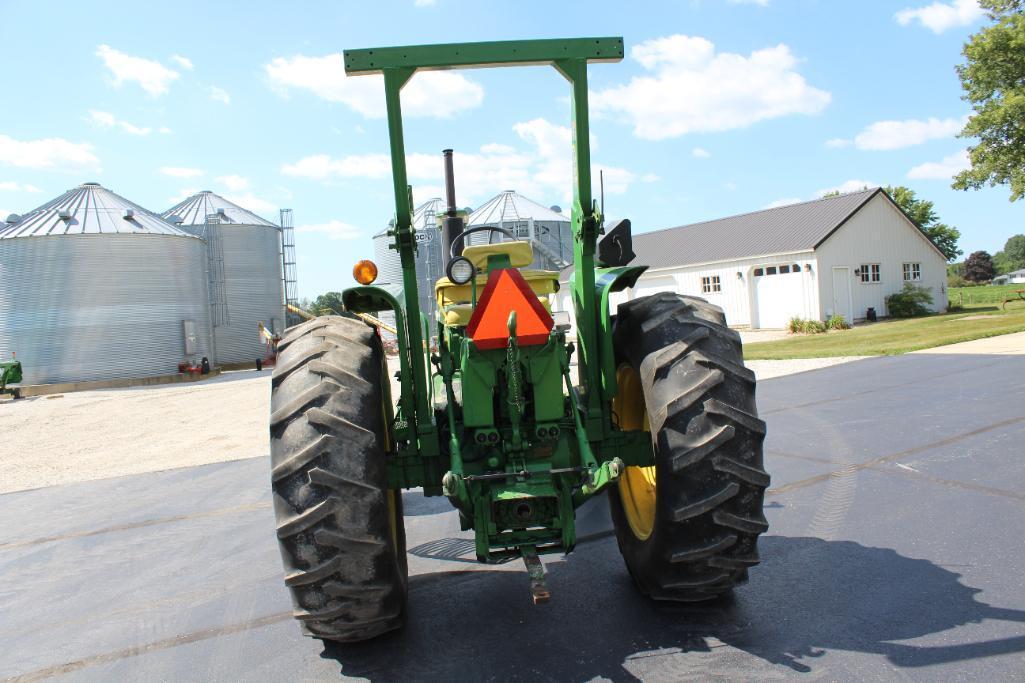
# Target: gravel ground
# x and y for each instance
(114, 432)
(89, 435)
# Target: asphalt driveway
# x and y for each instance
(895, 551)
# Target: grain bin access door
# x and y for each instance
(191, 340)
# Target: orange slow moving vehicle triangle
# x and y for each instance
(507, 291)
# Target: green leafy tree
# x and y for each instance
(328, 300)
(922, 214)
(1014, 250)
(978, 267)
(993, 79)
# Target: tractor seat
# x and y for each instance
(458, 315)
(454, 300)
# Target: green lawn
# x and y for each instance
(890, 337)
(986, 294)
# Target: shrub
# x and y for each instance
(814, 326)
(910, 302)
(795, 325)
(837, 322)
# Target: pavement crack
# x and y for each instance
(854, 468)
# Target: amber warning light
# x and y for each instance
(507, 291)
(365, 272)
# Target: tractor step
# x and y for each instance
(536, 571)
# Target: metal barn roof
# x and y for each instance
(779, 230)
(194, 210)
(89, 209)
(510, 206)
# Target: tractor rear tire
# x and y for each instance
(339, 527)
(687, 528)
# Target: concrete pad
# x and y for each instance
(1005, 344)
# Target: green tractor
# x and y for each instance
(660, 410)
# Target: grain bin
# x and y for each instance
(95, 287)
(548, 230)
(244, 271)
(429, 263)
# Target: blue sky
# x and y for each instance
(720, 107)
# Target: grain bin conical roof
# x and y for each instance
(92, 209)
(194, 211)
(512, 206)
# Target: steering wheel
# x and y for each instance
(458, 240)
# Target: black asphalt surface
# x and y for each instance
(896, 551)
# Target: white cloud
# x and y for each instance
(235, 183)
(164, 130)
(181, 171)
(649, 178)
(888, 135)
(333, 229)
(219, 95)
(543, 170)
(10, 186)
(837, 143)
(183, 62)
(692, 88)
(497, 148)
(323, 167)
(247, 200)
(944, 169)
(424, 3)
(787, 201)
(153, 77)
(433, 93)
(847, 186)
(940, 16)
(105, 119)
(699, 153)
(48, 154)
(183, 195)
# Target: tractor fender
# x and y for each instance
(370, 299)
(607, 281)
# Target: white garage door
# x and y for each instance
(779, 294)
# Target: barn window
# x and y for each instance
(870, 273)
(771, 270)
(795, 268)
(711, 284)
(784, 269)
(759, 272)
(912, 272)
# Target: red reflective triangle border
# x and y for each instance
(488, 325)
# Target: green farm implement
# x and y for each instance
(10, 373)
(515, 418)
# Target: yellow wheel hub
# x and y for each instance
(636, 484)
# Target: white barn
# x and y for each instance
(837, 255)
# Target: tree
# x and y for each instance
(978, 267)
(1014, 250)
(328, 300)
(993, 80)
(922, 214)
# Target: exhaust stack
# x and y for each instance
(452, 223)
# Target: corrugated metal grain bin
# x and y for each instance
(94, 287)
(244, 271)
(429, 263)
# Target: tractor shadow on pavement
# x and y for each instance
(808, 598)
